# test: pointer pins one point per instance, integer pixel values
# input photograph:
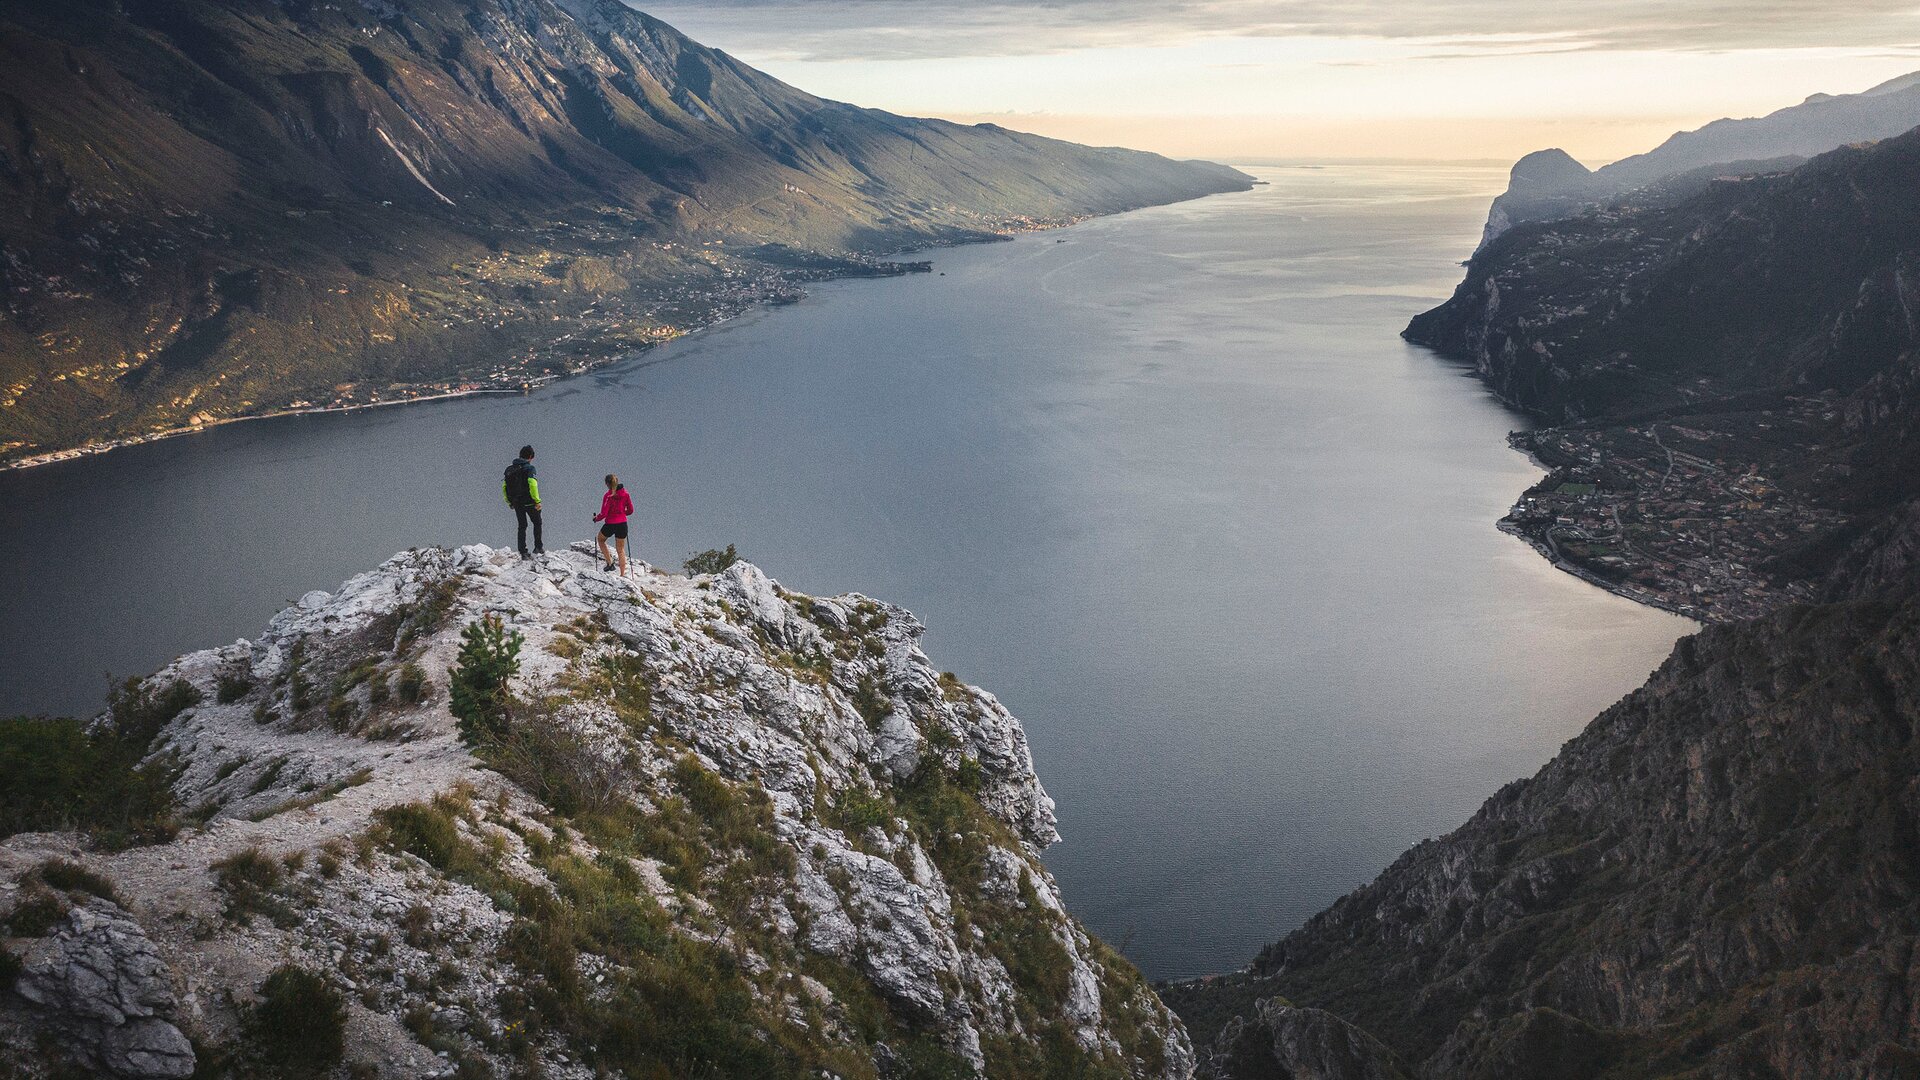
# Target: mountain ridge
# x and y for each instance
(1778, 140)
(228, 207)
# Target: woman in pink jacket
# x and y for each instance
(615, 507)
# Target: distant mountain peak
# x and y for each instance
(1549, 184)
(1552, 166)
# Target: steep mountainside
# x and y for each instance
(221, 207)
(710, 828)
(1747, 285)
(1732, 373)
(1780, 139)
(1722, 874)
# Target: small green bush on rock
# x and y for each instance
(251, 878)
(300, 1024)
(233, 687)
(73, 877)
(411, 685)
(710, 561)
(489, 656)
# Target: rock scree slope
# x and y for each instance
(725, 830)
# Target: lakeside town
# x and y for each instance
(1691, 515)
(603, 331)
(617, 324)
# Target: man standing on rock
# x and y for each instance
(522, 491)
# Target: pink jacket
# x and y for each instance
(615, 505)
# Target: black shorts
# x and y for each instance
(614, 530)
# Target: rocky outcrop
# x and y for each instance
(711, 789)
(1717, 878)
(98, 983)
(1544, 185)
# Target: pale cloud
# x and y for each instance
(1269, 78)
(829, 30)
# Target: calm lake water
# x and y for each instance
(1167, 483)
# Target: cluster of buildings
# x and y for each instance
(1684, 515)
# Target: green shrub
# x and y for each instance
(922, 1058)
(360, 672)
(870, 703)
(412, 686)
(300, 1024)
(489, 656)
(268, 776)
(424, 829)
(710, 561)
(968, 775)
(73, 877)
(300, 696)
(56, 774)
(232, 688)
(37, 913)
(250, 878)
(858, 811)
(137, 712)
(555, 766)
(341, 713)
(431, 831)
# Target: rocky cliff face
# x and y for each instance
(1718, 877)
(1787, 281)
(212, 208)
(1728, 370)
(725, 829)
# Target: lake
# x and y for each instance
(1168, 483)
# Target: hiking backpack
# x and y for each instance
(516, 480)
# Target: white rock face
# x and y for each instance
(99, 982)
(903, 807)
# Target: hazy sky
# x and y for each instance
(1333, 78)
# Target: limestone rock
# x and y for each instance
(858, 832)
(98, 981)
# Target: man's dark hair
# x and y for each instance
(526, 451)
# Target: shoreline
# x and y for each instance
(1625, 592)
(1541, 544)
(523, 387)
(532, 383)
(1544, 545)
(95, 449)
